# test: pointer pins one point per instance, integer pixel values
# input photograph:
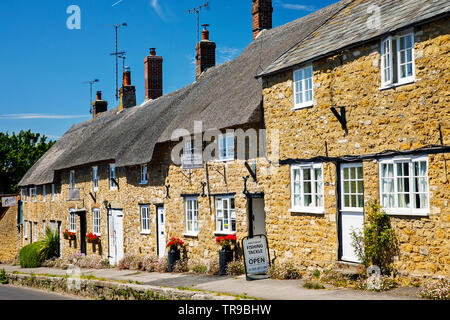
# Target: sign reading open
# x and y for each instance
(256, 255)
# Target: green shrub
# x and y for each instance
(235, 268)
(200, 268)
(283, 271)
(313, 285)
(181, 266)
(30, 256)
(3, 277)
(334, 278)
(49, 245)
(377, 244)
(131, 262)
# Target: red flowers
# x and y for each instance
(175, 243)
(90, 237)
(69, 235)
(226, 240)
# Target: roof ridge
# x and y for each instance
(313, 31)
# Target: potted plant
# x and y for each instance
(174, 254)
(226, 253)
(92, 238)
(69, 235)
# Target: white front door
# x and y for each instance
(352, 208)
(259, 216)
(115, 220)
(161, 227)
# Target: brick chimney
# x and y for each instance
(206, 52)
(262, 16)
(153, 75)
(99, 105)
(127, 92)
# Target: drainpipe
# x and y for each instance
(107, 223)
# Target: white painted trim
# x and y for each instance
(308, 103)
(404, 211)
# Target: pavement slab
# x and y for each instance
(266, 289)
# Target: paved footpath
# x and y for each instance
(267, 289)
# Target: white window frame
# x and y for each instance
(112, 175)
(24, 195)
(72, 221)
(220, 214)
(314, 207)
(387, 56)
(53, 192)
(299, 79)
(43, 227)
(144, 174)
(189, 147)
(396, 209)
(358, 194)
(72, 182)
(44, 192)
(226, 147)
(25, 231)
(407, 79)
(144, 213)
(191, 210)
(33, 194)
(96, 222)
(95, 178)
(35, 233)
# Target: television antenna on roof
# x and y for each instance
(116, 53)
(197, 10)
(91, 83)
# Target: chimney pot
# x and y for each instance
(205, 32)
(152, 52)
(127, 92)
(99, 105)
(206, 52)
(127, 77)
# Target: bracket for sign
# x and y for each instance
(257, 276)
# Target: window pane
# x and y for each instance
(353, 199)
(306, 174)
(346, 201)
(308, 200)
(346, 187)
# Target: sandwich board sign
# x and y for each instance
(9, 201)
(256, 257)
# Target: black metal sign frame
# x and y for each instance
(256, 276)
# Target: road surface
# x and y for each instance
(15, 293)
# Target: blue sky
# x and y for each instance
(44, 64)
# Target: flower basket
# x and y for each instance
(69, 235)
(174, 254)
(92, 238)
(226, 253)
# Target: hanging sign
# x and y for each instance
(9, 201)
(256, 255)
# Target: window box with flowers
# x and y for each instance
(174, 254)
(69, 235)
(92, 238)
(226, 253)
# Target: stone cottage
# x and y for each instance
(290, 139)
(362, 110)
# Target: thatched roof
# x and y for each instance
(224, 96)
(355, 24)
